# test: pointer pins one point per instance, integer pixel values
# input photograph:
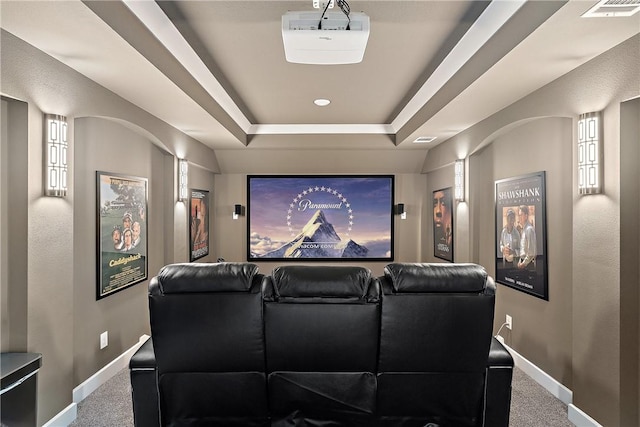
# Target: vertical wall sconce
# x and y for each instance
(590, 153)
(55, 147)
(237, 211)
(183, 178)
(459, 180)
(400, 211)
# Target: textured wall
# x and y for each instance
(58, 315)
(590, 363)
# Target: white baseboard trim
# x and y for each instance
(69, 414)
(64, 417)
(575, 415)
(579, 418)
(541, 377)
(106, 373)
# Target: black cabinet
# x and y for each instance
(19, 388)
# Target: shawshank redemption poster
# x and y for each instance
(122, 232)
(521, 251)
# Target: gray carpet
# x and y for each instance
(531, 405)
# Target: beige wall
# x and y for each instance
(578, 335)
(14, 215)
(541, 329)
(575, 336)
(50, 268)
(630, 261)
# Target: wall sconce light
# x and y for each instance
(183, 179)
(55, 147)
(237, 211)
(590, 153)
(400, 211)
(459, 180)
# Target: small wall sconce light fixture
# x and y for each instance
(237, 211)
(459, 180)
(590, 153)
(55, 147)
(400, 211)
(183, 179)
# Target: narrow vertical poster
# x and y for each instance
(198, 224)
(443, 224)
(521, 235)
(121, 232)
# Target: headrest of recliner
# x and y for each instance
(447, 278)
(206, 277)
(302, 281)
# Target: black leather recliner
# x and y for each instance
(321, 326)
(436, 329)
(322, 346)
(208, 337)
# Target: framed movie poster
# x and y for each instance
(121, 232)
(521, 235)
(320, 217)
(443, 224)
(198, 224)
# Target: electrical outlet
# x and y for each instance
(104, 339)
(509, 322)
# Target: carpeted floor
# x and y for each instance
(531, 405)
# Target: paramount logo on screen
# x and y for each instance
(305, 204)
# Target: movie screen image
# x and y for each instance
(320, 217)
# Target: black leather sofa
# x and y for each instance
(321, 346)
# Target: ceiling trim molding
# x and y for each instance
(156, 21)
(489, 22)
(159, 24)
(283, 129)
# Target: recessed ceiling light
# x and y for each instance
(424, 139)
(320, 102)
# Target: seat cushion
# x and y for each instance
(322, 399)
(443, 399)
(214, 399)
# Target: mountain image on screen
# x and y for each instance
(318, 239)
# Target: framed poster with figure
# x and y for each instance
(198, 224)
(521, 234)
(320, 217)
(121, 232)
(443, 224)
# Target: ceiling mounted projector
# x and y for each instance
(309, 41)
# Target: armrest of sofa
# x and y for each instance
(144, 388)
(498, 385)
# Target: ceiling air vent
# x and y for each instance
(613, 8)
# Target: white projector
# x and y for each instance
(305, 43)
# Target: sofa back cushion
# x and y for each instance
(207, 318)
(436, 328)
(321, 319)
(208, 336)
(321, 328)
(436, 318)
(334, 284)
